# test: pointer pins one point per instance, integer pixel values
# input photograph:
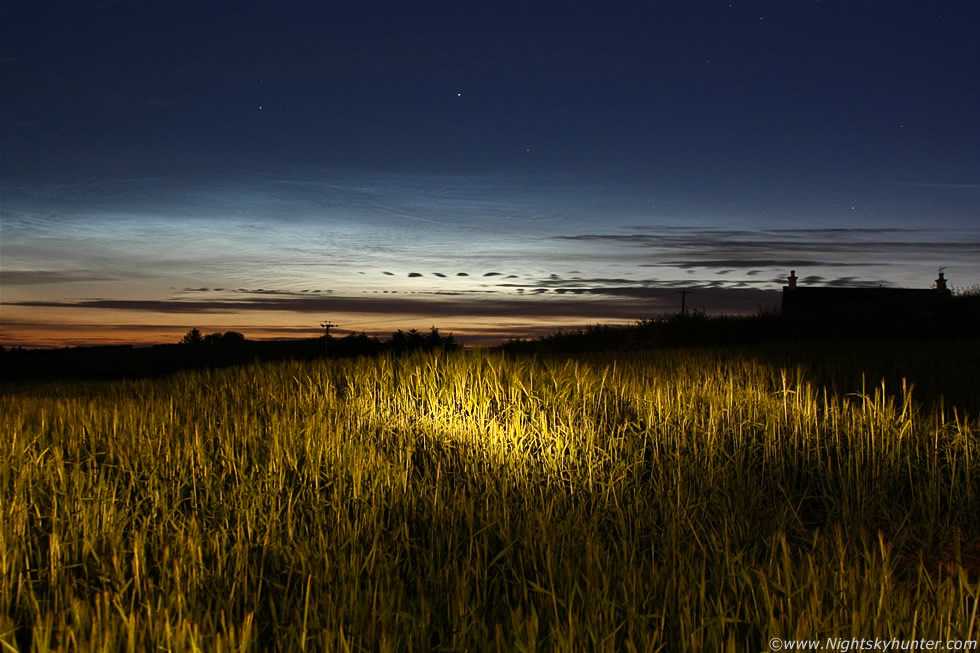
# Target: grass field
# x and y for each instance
(671, 500)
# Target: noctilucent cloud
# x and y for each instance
(493, 169)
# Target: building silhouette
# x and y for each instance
(825, 302)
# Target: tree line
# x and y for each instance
(356, 344)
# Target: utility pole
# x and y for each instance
(684, 301)
(327, 325)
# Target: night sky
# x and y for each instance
(493, 169)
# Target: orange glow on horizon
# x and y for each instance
(125, 328)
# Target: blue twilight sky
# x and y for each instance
(492, 168)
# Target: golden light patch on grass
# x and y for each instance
(682, 500)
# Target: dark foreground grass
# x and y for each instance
(683, 500)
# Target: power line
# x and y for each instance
(327, 325)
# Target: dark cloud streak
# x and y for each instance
(35, 277)
(755, 263)
(483, 307)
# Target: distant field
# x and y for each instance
(671, 500)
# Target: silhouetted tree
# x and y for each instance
(357, 344)
(414, 340)
(433, 340)
(192, 337)
(436, 341)
(233, 338)
(399, 341)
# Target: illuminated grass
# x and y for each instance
(682, 500)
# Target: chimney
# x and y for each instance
(941, 282)
(792, 279)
